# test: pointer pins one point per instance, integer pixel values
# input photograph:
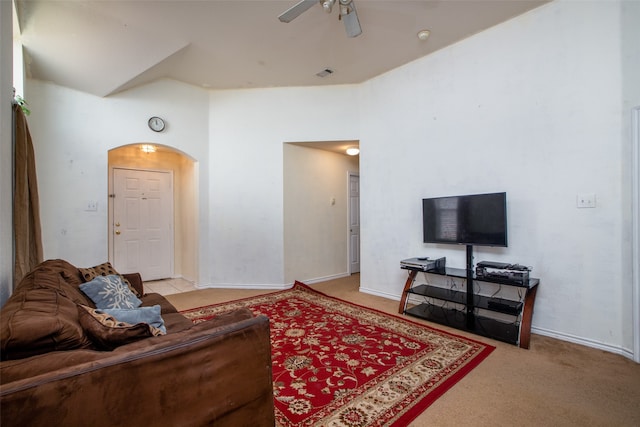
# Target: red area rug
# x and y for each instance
(340, 364)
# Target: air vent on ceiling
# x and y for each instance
(325, 72)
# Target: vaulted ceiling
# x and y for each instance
(103, 47)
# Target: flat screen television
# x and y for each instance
(475, 219)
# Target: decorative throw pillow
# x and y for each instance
(149, 315)
(110, 292)
(108, 333)
(104, 269)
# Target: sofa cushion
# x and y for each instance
(108, 332)
(223, 320)
(58, 275)
(176, 322)
(30, 367)
(37, 321)
(151, 299)
(104, 269)
(149, 315)
(173, 321)
(110, 292)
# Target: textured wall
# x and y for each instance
(532, 107)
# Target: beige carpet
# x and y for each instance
(554, 383)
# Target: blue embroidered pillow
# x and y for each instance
(110, 292)
(149, 315)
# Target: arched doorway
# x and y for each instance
(184, 213)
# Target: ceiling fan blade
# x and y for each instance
(350, 18)
(296, 10)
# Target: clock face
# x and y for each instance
(156, 124)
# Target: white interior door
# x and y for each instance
(354, 223)
(143, 223)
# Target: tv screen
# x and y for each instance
(475, 219)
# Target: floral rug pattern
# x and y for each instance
(340, 364)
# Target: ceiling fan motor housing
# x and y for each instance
(327, 5)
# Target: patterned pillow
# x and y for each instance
(149, 315)
(104, 269)
(108, 333)
(110, 292)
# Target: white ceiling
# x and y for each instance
(103, 47)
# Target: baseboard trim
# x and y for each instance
(268, 286)
(379, 294)
(583, 341)
(265, 286)
(324, 279)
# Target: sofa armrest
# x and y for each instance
(208, 375)
(136, 281)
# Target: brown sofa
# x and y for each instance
(217, 372)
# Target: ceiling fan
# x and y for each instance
(348, 13)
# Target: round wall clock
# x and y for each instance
(156, 124)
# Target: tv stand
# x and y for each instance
(502, 310)
(471, 318)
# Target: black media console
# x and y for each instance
(492, 311)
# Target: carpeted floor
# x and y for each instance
(554, 383)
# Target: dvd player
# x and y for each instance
(423, 264)
(502, 266)
(505, 306)
(503, 272)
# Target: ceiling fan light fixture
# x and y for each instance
(353, 151)
(148, 148)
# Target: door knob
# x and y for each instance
(118, 232)
(117, 224)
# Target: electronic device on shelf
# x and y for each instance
(506, 306)
(508, 273)
(424, 264)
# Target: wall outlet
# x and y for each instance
(91, 206)
(586, 200)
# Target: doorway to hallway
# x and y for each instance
(184, 260)
(316, 211)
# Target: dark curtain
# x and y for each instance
(26, 206)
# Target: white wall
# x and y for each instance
(72, 134)
(248, 129)
(6, 157)
(240, 165)
(316, 199)
(631, 102)
(532, 107)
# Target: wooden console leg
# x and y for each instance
(527, 314)
(407, 285)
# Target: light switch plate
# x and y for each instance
(586, 200)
